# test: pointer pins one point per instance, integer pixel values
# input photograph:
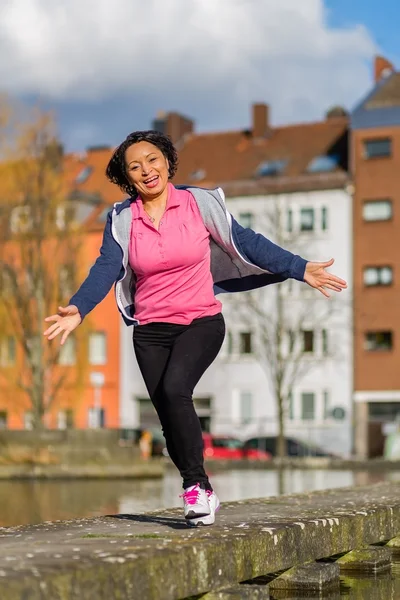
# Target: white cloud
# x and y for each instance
(237, 51)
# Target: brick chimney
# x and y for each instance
(260, 125)
(173, 124)
(382, 68)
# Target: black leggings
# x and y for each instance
(172, 358)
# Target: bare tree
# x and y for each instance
(39, 260)
(284, 323)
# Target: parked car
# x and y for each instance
(230, 448)
(294, 448)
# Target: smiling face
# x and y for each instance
(147, 169)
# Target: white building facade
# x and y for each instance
(236, 396)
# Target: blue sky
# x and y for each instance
(107, 68)
(382, 18)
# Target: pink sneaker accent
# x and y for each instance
(214, 505)
(190, 496)
(195, 502)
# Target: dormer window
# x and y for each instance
(269, 168)
(323, 164)
(83, 175)
(197, 175)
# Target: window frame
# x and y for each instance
(302, 398)
(381, 201)
(378, 269)
(103, 360)
(242, 345)
(304, 334)
(249, 216)
(310, 210)
(377, 141)
(378, 349)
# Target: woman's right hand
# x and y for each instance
(67, 319)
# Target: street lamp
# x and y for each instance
(97, 380)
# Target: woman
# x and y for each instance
(169, 250)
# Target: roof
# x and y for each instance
(232, 157)
(381, 107)
(388, 94)
(233, 160)
(94, 162)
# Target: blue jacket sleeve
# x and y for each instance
(267, 255)
(103, 274)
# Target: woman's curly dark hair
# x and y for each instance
(116, 169)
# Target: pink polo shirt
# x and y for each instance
(172, 265)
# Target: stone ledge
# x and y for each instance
(312, 576)
(366, 559)
(155, 555)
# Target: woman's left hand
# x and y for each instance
(317, 277)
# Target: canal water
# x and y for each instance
(23, 502)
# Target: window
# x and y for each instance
(289, 220)
(290, 405)
(8, 351)
(327, 411)
(308, 406)
(324, 218)
(378, 341)
(246, 220)
(377, 210)
(227, 442)
(307, 219)
(308, 341)
(245, 342)
(323, 164)
(378, 148)
(28, 420)
(270, 168)
(3, 419)
(83, 175)
(229, 342)
(378, 276)
(384, 411)
(96, 418)
(197, 175)
(65, 419)
(98, 348)
(246, 401)
(67, 356)
(325, 347)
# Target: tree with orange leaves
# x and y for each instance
(39, 262)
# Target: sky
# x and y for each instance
(106, 68)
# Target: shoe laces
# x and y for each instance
(191, 496)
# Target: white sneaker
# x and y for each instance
(214, 505)
(195, 502)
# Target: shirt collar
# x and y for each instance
(172, 202)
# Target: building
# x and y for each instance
(375, 163)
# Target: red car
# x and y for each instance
(221, 447)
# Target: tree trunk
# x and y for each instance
(281, 441)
